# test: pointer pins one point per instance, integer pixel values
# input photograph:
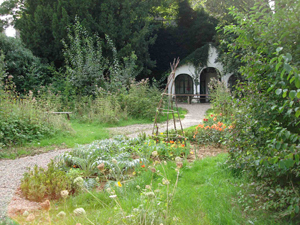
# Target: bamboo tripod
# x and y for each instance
(170, 111)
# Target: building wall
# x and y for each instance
(191, 70)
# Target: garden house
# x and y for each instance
(191, 82)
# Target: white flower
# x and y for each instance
(165, 181)
(178, 159)
(138, 187)
(154, 153)
(148, 187)
(25, 213)
(79, 181)
(149, 194)
(61, 214)
(165, 162)
(114, 161)
(79, 212)
(113, 196)
(64, 194)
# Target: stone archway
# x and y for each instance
(184, 84)
(205, 76)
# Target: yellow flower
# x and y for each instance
(134, 173)
(161, 133)
(192, 152)
(119, 184)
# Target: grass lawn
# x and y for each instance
(207, 193)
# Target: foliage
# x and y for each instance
(205, 186)
(141, 100)
(27, 70)
(87, 68)
(43, 24)
(191, 29)
(26, 119)
(220, 97)
(213, 131)
(116, 154)
(39, 184)
(265, 142)
(220, 9)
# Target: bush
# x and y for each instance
(27, 70)
(220, 97)
(266, 140)
(26, 119)
(141, 100)
(39, 183)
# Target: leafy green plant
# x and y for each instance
(39, 183)
(24, 119)
(266, 136)
(220, 97)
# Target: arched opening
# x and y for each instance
(184, 85)
(205, 76)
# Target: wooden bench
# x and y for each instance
(68, 114)
(190, 96)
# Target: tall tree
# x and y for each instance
(43, 24)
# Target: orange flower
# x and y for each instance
(194, 136)
(211, 115)
(221, 114)
(220, 129)
(215, 119)
(182, 145)
(207, 127)
(143, 166)
(224, 127)
(172, 142)
(201, 125)
(230, 127)
(74, 166)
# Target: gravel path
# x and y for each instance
(11, 171)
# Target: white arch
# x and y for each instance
(189, 69)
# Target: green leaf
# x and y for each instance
(297, 113)
(297, 80)
(289, 56)
(278, 65)
(279, 49)
(284, 93)
(287, 67)
(292, 94)
(298, 93)
(278, 91)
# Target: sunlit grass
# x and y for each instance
(206, 194)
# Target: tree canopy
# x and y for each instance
(43, 24)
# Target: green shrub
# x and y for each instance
(220, 97)
(39, 183)
(141, 100)
(26, 119)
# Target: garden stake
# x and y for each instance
(170, 109)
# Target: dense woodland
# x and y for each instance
(106, 61)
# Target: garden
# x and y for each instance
(239, 165)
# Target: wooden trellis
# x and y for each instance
(171, 110)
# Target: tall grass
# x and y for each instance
(26, 119)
